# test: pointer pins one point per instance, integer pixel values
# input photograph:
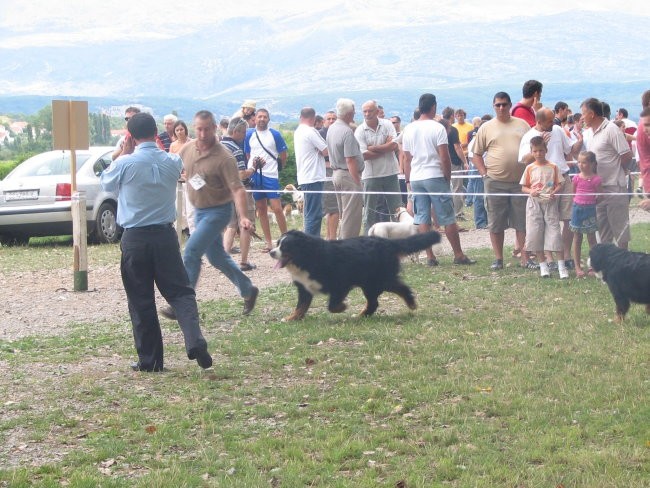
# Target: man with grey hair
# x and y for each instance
(167, 136)
(234, 142)
(376, 137)
(347, 164)
(613, 154)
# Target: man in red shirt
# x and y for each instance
(531, 102)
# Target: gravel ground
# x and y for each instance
(42, 302)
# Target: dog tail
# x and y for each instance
(417, 242)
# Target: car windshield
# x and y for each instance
(48, 164)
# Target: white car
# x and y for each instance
(35, 198)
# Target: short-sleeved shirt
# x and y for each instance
(145, 182)
(217, 167)
(558, 145)
(273, 141)
(165, 140)
(586, 189)
(452, 140)
(643, 147)
(421, 139)
(524, 113)
(501, 141)
(310, 163)
(342, 144)
(608, 144)
(541, 177)
(463, 131)
(386, 164)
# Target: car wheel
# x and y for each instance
(106, 228)
(14, 240)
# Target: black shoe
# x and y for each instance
(249, 303)
(570, 264)
(168, 313)
(202, 357)
(136, 366)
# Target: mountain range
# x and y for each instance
(314, 59)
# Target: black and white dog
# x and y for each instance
(335, 267)
(626, 273)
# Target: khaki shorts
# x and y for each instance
(234, 220)
(504, 211)
(565, 202)
(330, 205)
(543, 226)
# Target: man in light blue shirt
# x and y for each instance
(146, 185)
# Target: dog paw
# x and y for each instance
(341, 307)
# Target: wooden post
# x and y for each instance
(70, 131)
(80, 241)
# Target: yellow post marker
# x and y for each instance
(70, 132)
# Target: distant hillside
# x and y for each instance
(306, 61)
(476, 100)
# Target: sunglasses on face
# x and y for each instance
(501, 105)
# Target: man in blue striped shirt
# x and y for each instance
(146, 185)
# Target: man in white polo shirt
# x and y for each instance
(311, 150)
(613, 155)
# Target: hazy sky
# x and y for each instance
(65, 22)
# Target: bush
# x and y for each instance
(6, 167)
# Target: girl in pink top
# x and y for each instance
(583, 216)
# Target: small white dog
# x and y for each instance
(404, 227)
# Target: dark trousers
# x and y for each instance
(151, 255)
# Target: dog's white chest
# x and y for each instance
(301, 276)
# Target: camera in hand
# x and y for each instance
(258, 162)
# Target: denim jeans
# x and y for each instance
(207, 239)
(313, 211)
(480, 214)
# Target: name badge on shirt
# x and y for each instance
(197, 182)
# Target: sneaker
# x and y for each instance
(247, 266)
(570, 263)
(544, 271)
(249, 303)
(497, 264)
(552, 266)
(168, 313)
(564, 273)
(234, 250)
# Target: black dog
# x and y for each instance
(626, 273)
(335, 267)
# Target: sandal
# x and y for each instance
(580, 274)
(516, 253)
(432, 262)
(266, 250)
(464, 260)
(247, 266)
(530, 264)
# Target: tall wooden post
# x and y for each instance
(70, 131)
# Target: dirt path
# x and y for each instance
(42, 302)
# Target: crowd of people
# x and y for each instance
(550, 174)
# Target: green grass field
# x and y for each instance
(498, 379)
